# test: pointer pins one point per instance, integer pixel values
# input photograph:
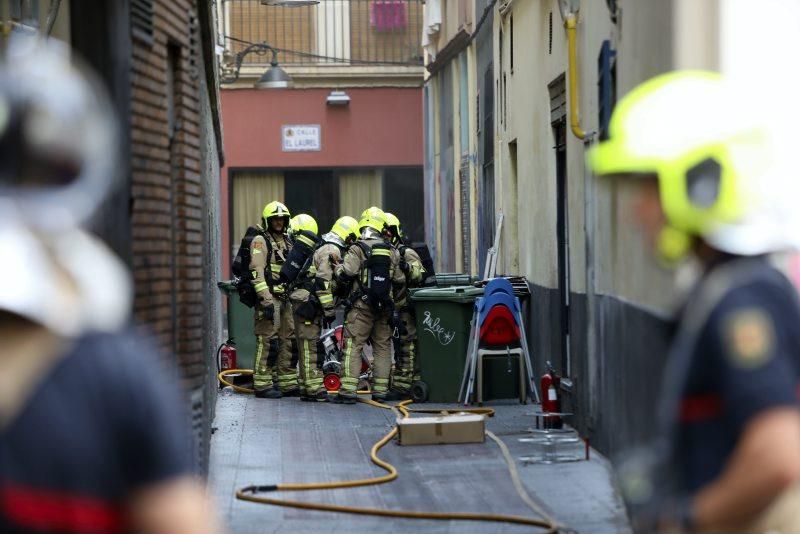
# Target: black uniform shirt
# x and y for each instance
(103, 423)
(747, 360)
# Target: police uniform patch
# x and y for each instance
(749, 338)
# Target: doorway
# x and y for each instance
(315, 192)
(558, 118)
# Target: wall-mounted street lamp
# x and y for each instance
(274, 78)
(338, 98)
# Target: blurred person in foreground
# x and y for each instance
(728, 455)
(93, 438)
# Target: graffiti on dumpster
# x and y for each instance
(432, 326)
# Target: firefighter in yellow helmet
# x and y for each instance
(405, 365)
(372, 266)
(728, 454)
(275, 370)
(297, 276)
(375, 212)
(313, 296)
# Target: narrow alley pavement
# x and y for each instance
(259, 441)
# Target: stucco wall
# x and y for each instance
(380, 127)
(623, 265)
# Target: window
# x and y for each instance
(613, 10)
(500, 91)
(142, 20)
(403, 192)
(511, 44)
(315, 192)
(25, 12)
(606, 87)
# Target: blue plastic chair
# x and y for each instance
(498, 292)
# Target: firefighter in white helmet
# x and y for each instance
(728, 457)
(94, 431)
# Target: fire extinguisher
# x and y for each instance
(551, 402)
(226, 357)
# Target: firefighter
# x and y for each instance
(405, 370)
(372, 267)
(313, 301)
(94, 435)
(729, 446)
(275, 370)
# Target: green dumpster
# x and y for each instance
(240, 327)
(443, 327)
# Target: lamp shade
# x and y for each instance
(275, 78)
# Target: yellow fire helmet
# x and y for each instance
(303, 222)
(684, 127)
(346, 228)
(373, 211)
(275, 209)
(372, 217)
(393, 222)
(372, 221)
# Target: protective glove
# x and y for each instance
(404, 265)
(327, 321)
(269, 312)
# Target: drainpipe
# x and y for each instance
(571, 24)
(569, 14)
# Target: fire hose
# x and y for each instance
(249, 493)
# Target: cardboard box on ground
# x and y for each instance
(467, 428)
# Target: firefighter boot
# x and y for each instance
(342, 398)
(271, 393)
(319, 396)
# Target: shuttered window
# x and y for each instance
(142, 20)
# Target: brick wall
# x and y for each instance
(170, 201)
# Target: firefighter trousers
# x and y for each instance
(406, 370)
(362, 323)
(307, 333)
(276, 350)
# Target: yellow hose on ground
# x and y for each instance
(249, 493)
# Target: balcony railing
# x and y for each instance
(333, 32)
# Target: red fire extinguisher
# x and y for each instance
(226, 356)
(551, 402)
